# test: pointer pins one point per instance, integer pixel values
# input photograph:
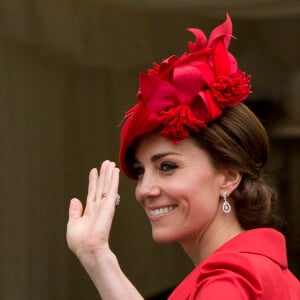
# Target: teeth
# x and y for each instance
(161, 211)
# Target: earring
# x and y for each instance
(226, 205)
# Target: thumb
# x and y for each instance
(75, 209)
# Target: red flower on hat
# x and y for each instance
(179, 121)
(231, 90)
(187, 92)
(206, 80)
(182, 94)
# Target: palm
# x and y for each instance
(89, 229)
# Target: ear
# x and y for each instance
(232, 179)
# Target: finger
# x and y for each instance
(108, 176)
(104, 179)
(92, 187)
(114, 184)
(75, 209)
(106, 206)
(100, 180)
(112, 189)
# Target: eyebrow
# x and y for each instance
(158, 156)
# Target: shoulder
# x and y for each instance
(229, 273)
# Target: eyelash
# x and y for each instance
(167, 166)
(138, 171)
(164, 166)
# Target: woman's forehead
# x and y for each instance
(155, 144)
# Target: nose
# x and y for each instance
(147, 187)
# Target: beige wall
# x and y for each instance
(67, 74)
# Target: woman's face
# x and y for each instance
(178, 188)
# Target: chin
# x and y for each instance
(163, 237)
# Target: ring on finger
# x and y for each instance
(118, 199)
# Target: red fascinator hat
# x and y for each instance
(183, 94)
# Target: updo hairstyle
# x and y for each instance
(239, 141)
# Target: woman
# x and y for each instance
(197, 154)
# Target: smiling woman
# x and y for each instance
(197, 154)
(180, 191)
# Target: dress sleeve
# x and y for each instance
(228, 275)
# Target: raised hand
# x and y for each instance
(88, 229)
(88, 234)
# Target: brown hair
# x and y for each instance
(239, 141)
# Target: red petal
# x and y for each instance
(206, 109)
(206, 71)
(200, 42)
(157, 94)
(222, 31)
(187, 81)
(221, 60)
(167, 66)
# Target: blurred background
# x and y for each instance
(68, 72)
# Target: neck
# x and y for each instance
(214, 236)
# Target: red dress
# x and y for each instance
(251, 266)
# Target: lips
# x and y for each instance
(157, 212)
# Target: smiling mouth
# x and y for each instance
(161, 211)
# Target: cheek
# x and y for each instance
(137, 193)
(202, 202)
(201, 190)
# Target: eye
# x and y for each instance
(167, 166)
(138, 170)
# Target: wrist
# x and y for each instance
(93, 258)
